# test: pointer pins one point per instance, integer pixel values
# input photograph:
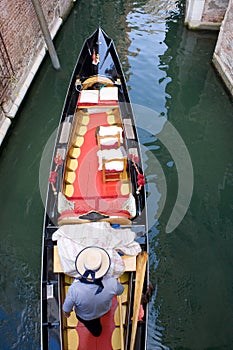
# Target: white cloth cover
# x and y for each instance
(110, 133)
(89, 96)
(110, 130)
(71, 239)
(64, 203)
(130, 205)
(109, 93)
(112, 154)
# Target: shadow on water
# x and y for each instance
(168, 70)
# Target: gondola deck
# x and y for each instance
(88, 190)
(77, 336)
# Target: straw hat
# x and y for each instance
(94, 259)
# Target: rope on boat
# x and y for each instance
(140, 177)
(53, 174)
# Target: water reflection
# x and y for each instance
(194, 261)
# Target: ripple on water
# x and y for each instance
(20, 301)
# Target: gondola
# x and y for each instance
(96, 195)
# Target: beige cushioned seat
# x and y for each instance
(78, 142)
(74, 152)
(68, 190)
(70, 177)
(72, 164)
(84, 120)
(81, 130)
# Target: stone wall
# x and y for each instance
(223, 55)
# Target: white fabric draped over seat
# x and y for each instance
(109, 135)
(71, 239)
(112, 154)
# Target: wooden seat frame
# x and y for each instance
(116, 136)
(114, 175)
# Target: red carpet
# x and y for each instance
(104, 340)
(90, 192)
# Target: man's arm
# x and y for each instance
(68, 303)
(119, 289)
(66, 314)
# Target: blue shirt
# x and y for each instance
(86, 303)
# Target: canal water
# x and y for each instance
(185, 124)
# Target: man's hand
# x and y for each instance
(66, 314)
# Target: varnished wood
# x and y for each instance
(140, 274)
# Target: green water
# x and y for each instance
(168, 70)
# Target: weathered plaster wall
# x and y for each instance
(205, 14)
(214, 11)
(24, 45)
(223, 54)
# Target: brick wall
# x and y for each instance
(22, 37)
(18, 28)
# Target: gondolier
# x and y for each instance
(91, 295)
